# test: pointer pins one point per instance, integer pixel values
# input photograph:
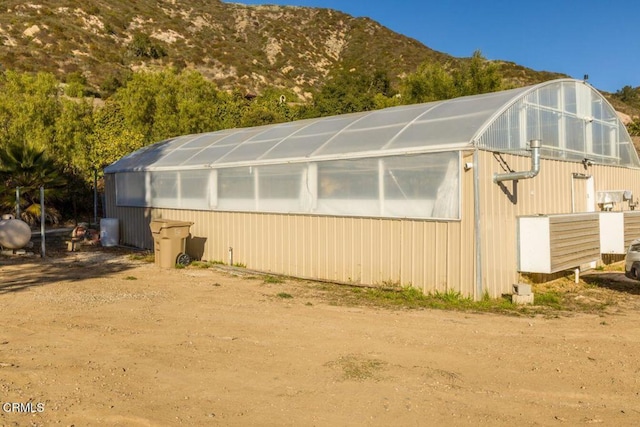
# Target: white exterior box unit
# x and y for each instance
(617, 230)
(552, 243)
(612, 233)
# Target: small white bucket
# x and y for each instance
(109, 232)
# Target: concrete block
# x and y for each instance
(522, 289)
(522, 299)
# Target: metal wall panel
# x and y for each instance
(551, 192)
(631, 227)
(574, 239)
(430, 255)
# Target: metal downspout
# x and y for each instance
(534, 145)
(478, 234)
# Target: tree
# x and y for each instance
(477, 76)
(629, 96)
(435, 81)
(431, 82)
(165, 104)
(73, 127)
(111, 139)
(349, 91)
(269, 107)
(29, 108)
(143, 47)
(28, 167)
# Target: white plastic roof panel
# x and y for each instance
(570, 118)
(140, 159)
(247, 152)
(358, 140)
(213, 152)
(501, 121)
(297, 146)
(179, 156)
(204, 140)
(279, 132)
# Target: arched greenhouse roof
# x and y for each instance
(572, 119)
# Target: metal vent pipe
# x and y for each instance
(534, 145)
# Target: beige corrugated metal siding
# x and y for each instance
(575, 240)
(631, 227)
(431, 255)
(548, 193)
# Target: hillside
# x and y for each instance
(239, 47)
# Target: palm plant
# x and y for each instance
(28, 167)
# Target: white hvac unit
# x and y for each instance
(617, 230)
(612, 233)
(608, 199)
(552, 243)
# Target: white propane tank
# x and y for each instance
(109, 232)
(14, 233)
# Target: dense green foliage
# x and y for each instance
(53, 132)
(348, 92)
(631, 98)
(28, 168)
(434, 81)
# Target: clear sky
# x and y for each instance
(576, 37)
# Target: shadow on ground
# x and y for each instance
(19, 273)
(614, 280)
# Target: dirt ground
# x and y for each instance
(96, 338)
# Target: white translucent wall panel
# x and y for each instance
(570, 102)
(164, 189)
(572, 120)
(628, 153)
(131, 189)
(194, 189)
(574, 134)
(549, 96)
(411, 186)
(189, 189)
(284, 188)
(236, 189)
(349, 187)
(421, 186)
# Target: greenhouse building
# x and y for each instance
(460, 195)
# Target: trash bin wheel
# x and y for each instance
(183, 259)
